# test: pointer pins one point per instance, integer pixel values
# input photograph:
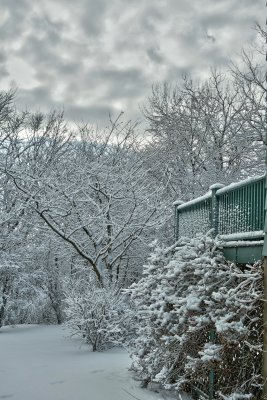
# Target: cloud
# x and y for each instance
(93, 16)
(120, 83)
(154, 54)
(14, 19)
(3, 72)
(91, 114)
(38, 98)
(92, 57)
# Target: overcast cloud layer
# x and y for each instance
(93, 57)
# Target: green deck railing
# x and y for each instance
(236, 212)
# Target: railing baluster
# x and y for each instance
(255, 209)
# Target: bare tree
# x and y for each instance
(202, 133)
(250, 76)
(94, 193)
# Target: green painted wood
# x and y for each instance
(248, 254)
(264, 250)
(243, 254)
(230, 253)
(242, 207)
(236, 209)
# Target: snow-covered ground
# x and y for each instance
(40, 362)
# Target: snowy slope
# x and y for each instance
(41, 363)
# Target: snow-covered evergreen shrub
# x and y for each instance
(197, 312)
(100, 315)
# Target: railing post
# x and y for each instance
(214, 220)
(176, 218)
(214, 212)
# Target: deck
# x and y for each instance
(236, 213)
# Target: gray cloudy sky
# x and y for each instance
(96, 56)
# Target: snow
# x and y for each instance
(40, 362)
(177, 203)
(216, 186)
(243, 243)
(236, 185)
(211, 352)
(195, 201)
(242, 235)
